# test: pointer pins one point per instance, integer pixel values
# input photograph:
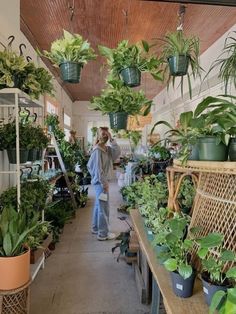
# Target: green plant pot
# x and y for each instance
(70, 72)
(32, 156)
(11, 152)
(39, 155)
(131, 76)
(178, 65)
(209, 150)
(118, 120)
(232, 149)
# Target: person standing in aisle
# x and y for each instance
(100, 166)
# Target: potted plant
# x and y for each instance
(128, 61)
(224, 301)
(178, 52)
(70, 53)
(178, 258)
(51, 121)
(161, 157)
(16, 72)
(39, 141)
(119, 102)
(214, 274)
(14, 252)
(186, 195)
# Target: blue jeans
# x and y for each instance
(100, 213)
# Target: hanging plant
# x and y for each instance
(70, 53)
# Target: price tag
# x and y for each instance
(205, 290)
(179, 287)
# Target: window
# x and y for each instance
(67, 120)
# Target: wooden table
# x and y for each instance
(162, 284)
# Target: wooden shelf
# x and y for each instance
(7, 98)
(174, 305)
(34, 268)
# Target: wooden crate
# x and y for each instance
(36, 254)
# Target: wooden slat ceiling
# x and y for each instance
(104, 22)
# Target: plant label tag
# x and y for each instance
(103, 197)
(179, 287)
(205, 290)
(149, 232)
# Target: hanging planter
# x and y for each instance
(70, 72)
(131, 76)
(14, 271)
(11, 152)
(178, 65)
(232, 149)
(209, 150)
(118, 120)
(183, 288)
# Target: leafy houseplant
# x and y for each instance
(128, 61)
(14, 254)
(186, 195)
(214, 276)
(52, 121)
(16, 72)
(70, 53)
(161, 157)
(224, 302)
(178, 52)
(119, 101)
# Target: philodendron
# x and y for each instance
(224, 302)
(214, 257)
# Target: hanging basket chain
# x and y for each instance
(181, 13)
(71, 8)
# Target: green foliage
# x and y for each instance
(123, 245)
(119, 98)
(176, 43)
(52, 119)
(14, 231)
(133, 136)
(186, 193)
(94, 131)
(213, 265)
(38, 235)
(16, 72)
(135, 55)
(71, 47)
(159, 153)
(227, 62)
(225, 300)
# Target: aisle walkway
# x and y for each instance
(82, 276)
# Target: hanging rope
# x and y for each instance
(181, 13)
(71, 8)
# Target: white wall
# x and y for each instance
(169, 104)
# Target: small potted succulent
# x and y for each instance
(214, 274)
(70, 53)
(128, 61)
(119, 102)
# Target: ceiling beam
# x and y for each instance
(230, 3)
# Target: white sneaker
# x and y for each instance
(110, 236)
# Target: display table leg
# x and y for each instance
(156, 296)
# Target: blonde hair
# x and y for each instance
(98, 136)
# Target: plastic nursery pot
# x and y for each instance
(131, 76)
(183, 288)
(12, 155)
(209, 290)
(159, 166)
(159, 249)
(149, 234)
(14, 271)
(32, 156)
(178, 65)
(118, 120)
(70, 71)
(194, 154)
(232, 149)
(209, 150)
(39, 155)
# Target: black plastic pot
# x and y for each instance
(183, 288)
(131, 76)
(160, 249)
(32, 156)
(232, 149)
(39, 155)
(86, 180)
(210, 289)
(11, 152)
(118, 120)
(178, 65)
(210, 150)
(159, 166)
(70, 71)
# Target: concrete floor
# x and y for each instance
(82, 276)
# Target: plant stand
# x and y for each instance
(15, 301)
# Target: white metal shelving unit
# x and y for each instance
(13, 99)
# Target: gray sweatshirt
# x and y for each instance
(100, 163)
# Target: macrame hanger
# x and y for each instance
(125, 12)
(181, 13)
(71, 8)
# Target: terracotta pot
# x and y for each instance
(14, 271)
